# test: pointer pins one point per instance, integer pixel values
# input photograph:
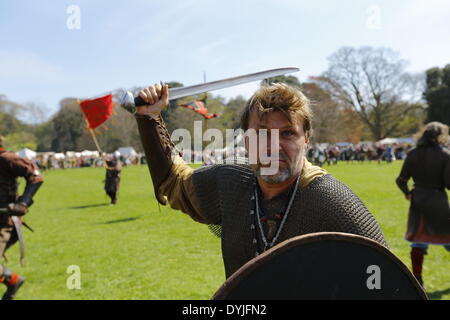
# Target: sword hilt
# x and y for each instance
(139, 102)
(129, 103)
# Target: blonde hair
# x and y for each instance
(283, 98)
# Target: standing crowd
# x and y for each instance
(324, 153)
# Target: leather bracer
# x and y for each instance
(158, 150)
(29, 192)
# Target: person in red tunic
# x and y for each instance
(14, 207)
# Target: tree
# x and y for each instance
(289, 80)
(9, 110)
(331, 122)
(18, 134)
(68, 125)
(45, 134)
(9, 124)
(35, 113)
(437, 94)
(9, 107)
(373, 82)
(231, 116)
(19, 140)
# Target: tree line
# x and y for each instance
(364, 95)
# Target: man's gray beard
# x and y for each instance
(281, 176)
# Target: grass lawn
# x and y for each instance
(138, 250)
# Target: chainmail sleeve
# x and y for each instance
(343, 211)
(208, 193)
(216, 186)
(196, 193)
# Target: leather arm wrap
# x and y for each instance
(158, 150)
(29, 192)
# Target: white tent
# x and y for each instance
(59, 156)
(27, 153)
(127, 151)
(388, 141)
(87, 153)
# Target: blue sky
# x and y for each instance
(121, 44)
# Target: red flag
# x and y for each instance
(97, 111)
(199, 107)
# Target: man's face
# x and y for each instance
(291, 147)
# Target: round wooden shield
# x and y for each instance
(323, 266)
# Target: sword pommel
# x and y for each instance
(128, 102)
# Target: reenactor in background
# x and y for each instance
(429, 213)
(13, 208)
(112, 180)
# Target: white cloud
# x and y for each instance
(27, 67)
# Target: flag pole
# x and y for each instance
(100, 151)
(95, 141)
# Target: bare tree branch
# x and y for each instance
(374, 82)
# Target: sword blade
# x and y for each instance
(17, 226)
(180, 92)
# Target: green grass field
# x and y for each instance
(137, 250)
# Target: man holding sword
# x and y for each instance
(13, 208)
(253, 210)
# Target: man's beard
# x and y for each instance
(281, 176)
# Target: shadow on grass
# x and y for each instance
(120, 220)
(90, 206)
(436, 295)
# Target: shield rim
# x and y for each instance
(250, 266)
